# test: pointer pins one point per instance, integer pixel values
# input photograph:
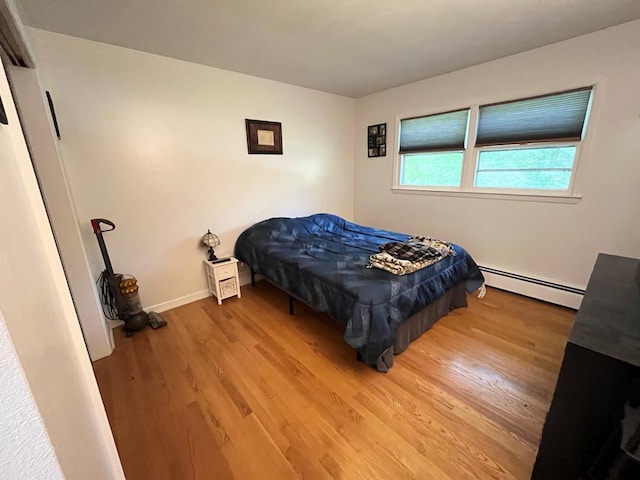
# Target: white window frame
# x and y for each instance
(471, 156)
(523, 146)
(434, 188)
(397, 162)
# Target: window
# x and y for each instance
(437, 169)
(525, 146)
(542, 168)
(432, 149)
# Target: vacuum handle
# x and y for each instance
(95, 223)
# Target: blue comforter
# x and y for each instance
(322, 260)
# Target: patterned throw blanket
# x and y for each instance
(401, 258)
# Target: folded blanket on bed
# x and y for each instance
(401, 258)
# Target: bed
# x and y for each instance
(322, 260)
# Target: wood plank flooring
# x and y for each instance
(245, 391)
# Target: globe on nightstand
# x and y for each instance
(211, 240)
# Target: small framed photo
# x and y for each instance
(377, 140)
(264, 137)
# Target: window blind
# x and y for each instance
(556, 117)
(444, 131)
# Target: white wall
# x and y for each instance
(557, 242)
(158, 146)
(39, 316)
(25, 448)
(29, 97)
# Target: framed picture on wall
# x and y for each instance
(264, 137)
(377, 140)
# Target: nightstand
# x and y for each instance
(223, 279)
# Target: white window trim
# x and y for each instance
(522, 197)
(397, 158)
(468, 166)
(524, 191)
(467, 190)
(434, 188)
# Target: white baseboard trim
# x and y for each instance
(541, 292)
(177, 302)
(114, 324)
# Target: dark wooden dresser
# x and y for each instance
(598, 377)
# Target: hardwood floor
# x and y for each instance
(245, 391)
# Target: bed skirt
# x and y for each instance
(417, 324)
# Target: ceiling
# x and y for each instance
(347, 47)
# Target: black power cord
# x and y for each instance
(109, 306)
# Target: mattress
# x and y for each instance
(322, 259)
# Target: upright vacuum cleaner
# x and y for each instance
(123, 292)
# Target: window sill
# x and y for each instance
(525, 197)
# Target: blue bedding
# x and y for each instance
(322, 260)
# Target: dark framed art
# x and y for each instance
(264, 137)
(377, 140)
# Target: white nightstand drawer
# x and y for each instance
(228, 287)
(226, 271)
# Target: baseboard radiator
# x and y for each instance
(533, 287)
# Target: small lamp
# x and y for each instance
(211, 240)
